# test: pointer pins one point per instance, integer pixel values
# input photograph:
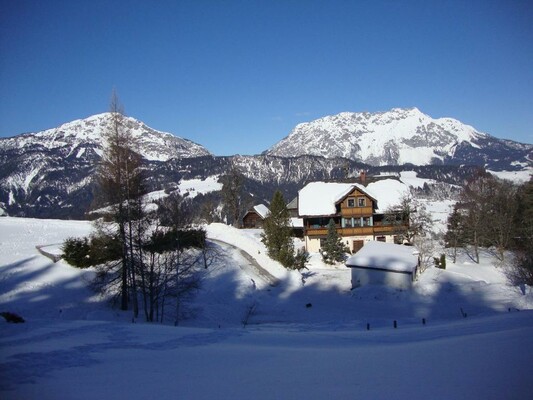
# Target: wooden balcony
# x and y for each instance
(356, 212)
(354, 231)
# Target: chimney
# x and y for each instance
(362, 177)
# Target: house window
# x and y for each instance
(361, 202)
(367, 221)
(351, 202)
(347, 222)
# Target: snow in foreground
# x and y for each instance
(74, 346)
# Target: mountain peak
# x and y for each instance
(394, 137)
(89, 132)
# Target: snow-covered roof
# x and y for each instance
(388, 193)
(262, 210)
(386, 256)
(319, 198)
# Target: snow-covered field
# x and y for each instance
(306, 337)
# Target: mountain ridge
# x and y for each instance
(90, 131)
(50, 174)
(399, 136)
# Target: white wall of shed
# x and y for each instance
(366, 276)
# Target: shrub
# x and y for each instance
(103, 248)
(301, 259)
(171, 240)
(76, 252)
(520, 270)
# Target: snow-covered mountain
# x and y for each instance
(49, 173)
(402, 136)
(86, 135)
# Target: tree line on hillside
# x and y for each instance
(496, 214)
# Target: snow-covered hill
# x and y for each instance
(402, 136)
(304, 339)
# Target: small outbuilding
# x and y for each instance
(384, 264)
(254, 217)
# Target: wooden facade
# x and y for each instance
(252, 220)
(356, 219)
(255, 217)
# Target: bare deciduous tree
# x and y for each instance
(487, 213)
(120, 186)
(409, 219)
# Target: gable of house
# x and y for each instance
(357, 202)
(321, 198)
(262, 211)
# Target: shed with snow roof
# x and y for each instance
(255, 216)
(384, 264)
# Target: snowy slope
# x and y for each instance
(75, 346)
(480, 289)
(189, 188)
(473, 359)
(397, 137)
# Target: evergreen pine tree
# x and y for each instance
(277, 232)
(333, 249)
(232, 194)
(455, 235)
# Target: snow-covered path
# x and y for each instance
(253, 268)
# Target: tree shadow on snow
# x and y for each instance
(314, 305)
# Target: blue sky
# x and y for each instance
(237, 76)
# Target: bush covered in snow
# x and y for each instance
(76, 252)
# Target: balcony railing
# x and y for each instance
(354, 231)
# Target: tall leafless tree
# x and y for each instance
(489, 209)
(120, 186)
